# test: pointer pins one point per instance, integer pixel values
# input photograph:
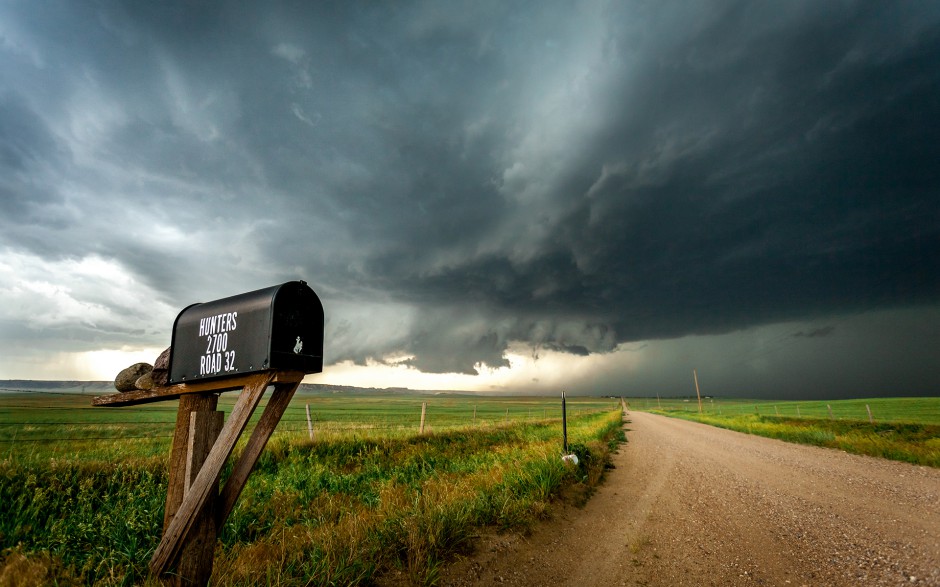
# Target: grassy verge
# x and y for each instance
(346, 509)
(923, 410)
(910, 442)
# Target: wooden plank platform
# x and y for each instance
(169, 392)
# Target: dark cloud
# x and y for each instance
(454, 178)
(31, 160)
(823, 331)
(742, 179)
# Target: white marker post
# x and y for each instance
(309, 423)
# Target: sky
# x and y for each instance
(525, 197)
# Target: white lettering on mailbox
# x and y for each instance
(217, 324)
(217, 358)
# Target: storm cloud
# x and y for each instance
(457, 178)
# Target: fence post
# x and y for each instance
(870, 419)
(798, 412)
(424, 407)
(309, 423)
(828, 407)
(697, 394)
(564, 422)
(474, 414)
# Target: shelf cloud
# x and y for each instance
(458, 179)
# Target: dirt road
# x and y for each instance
(689, 504)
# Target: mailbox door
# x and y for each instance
(297, 331)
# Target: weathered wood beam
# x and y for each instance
(177, 482)
(194, 564)
(169, 392)
(283, 392)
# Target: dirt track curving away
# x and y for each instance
(689, 504)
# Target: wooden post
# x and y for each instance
(828, 407)
(507, 415)
(197, 551)
(776, 411)
(697, 394)
(870, 419)
(176, 483)
(798, 412)
(309, 423)
(659, 403)
(474, 414)
(424, 407)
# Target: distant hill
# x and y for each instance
(106, 387)
(322, 388)
(90, 387)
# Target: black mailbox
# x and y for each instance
(279, 327)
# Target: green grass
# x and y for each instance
(65, 426)
(922, 410)
(368, 498)
(902, 429)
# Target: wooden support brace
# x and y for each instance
(283, 392)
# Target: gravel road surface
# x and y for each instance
(689, 504)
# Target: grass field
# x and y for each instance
(64, 425)
(83, 488)
(920, 410)
(903, 429)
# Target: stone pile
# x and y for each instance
(143, 376)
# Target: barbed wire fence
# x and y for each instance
(28, 418)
